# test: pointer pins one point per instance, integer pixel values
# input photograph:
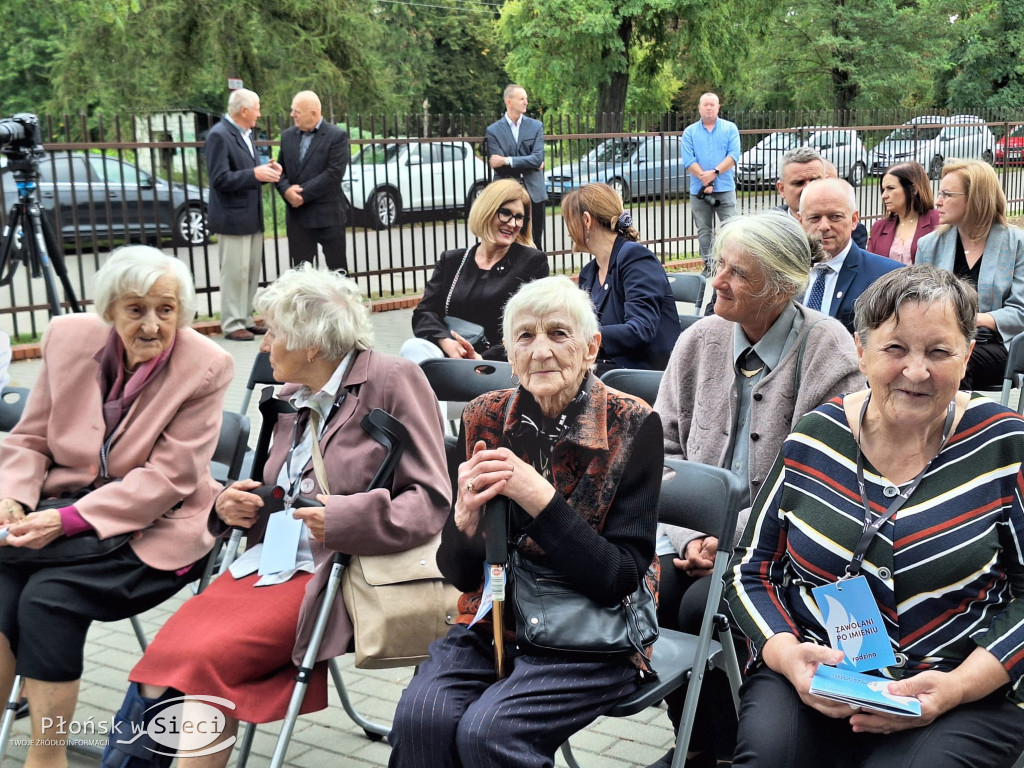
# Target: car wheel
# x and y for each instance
(935, 168)
(383, 208)
(190, 228)
(620, 186)
(474, 193)
(857, 173)
(987, 156)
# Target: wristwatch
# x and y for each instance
(717, 172)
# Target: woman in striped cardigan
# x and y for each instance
(946, 572)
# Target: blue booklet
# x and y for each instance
(864, 691)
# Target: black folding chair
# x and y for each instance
(12, 403)
(1014, 372)
(688, 288)
(635, 381)
(459, 381)
(261, 373)
(708, 499)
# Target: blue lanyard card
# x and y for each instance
(854, 624)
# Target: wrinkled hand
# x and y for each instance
(698, 557)
(798, 662)
(313, 517)
(11, 511)
(270, 172)
(294, 195)
(938, 693)
(36, 530)
(481, 478)
(236, 506)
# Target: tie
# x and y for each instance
(818, 289)
(750, 364)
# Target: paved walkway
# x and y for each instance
(325, 739)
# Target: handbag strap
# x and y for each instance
(318, 457)
(455, 281)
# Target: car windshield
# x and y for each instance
(614, 151)
(375, 154)
(779, 142)
(912, 133)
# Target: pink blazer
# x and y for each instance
(160, 455)
(392, 519)
(883, 233)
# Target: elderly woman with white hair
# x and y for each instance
(579, 466)
(105, 482)
(736, 384)
(239, 638)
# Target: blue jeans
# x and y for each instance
(704, 217)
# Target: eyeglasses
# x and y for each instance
(505, 216)
(945, 194)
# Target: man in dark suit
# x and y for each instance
(235, 210)
(314, 156)
(515, 144)
(828, 209)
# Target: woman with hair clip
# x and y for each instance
(627, 283)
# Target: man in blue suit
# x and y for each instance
(235, 210)
(515, 145)
(828, 209)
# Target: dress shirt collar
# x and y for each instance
(323, 401)
(836, 262)
(514, 123)
(772, 345)
(246, 132)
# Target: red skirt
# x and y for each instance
(235, 641)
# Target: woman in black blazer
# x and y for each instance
(627, 283)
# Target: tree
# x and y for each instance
(986, 65)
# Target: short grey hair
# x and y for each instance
(800, 155)
(547, 295)
(778, 243)
(240, 99)
(314, 308)
(840, 184)
(917, 284)
(132, 270)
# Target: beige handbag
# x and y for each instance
(398, 603)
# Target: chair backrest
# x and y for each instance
(634, 381)
(232, 444)
(688, 287)
(261, 373)
(702, 497)
(1014, 369)
(463, 380)
(685, 321)
(12, 404)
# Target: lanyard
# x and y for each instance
(871, 527)
(314, 434)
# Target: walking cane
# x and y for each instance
(496, 541)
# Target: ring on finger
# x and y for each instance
(469, 487)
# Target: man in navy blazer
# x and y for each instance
(314, 156)
(828, 209)
(235, 210)
(515, 145)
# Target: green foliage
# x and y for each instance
(986, 64)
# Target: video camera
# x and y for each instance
(714, 202)
(21, 141)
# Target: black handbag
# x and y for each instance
(552, 615)
(84, 547)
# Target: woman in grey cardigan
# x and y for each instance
(736, 384)
(975, 242)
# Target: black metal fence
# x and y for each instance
(412, 179)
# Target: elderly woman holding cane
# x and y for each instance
(907, 498)
(579, 467)
(239, 638)
(105, 483)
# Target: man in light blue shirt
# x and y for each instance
(711, 149)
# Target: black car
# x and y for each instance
(97, 198)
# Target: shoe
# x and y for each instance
(257, 330)
(240, 335)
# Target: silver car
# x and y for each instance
(931, 140)
(759, 165)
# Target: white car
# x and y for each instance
(759, 165)
(386, 179)
(931, 139)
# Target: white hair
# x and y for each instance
(132, 270)
(547, 295)
(240, 99)
(315, 308)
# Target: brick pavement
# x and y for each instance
(328, 738)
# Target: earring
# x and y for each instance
(515, 379)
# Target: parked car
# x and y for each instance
(98, 197)
(1010, 148)
(385, 180)
(930, 140)
(632, 165)
(759, 165)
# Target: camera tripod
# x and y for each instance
(37, 240)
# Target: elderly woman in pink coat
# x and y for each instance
(105, 483)
(242, 637)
